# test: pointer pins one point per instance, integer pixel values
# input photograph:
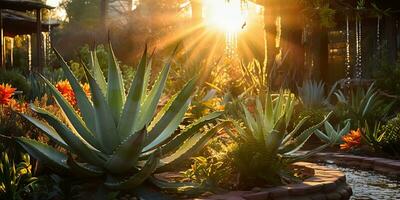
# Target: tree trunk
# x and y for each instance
(103, 12)
(292, 30)
(270, 48)
(320, 51)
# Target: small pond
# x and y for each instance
(369, 184)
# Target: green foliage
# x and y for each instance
(213, 169)
(38, 88)
(386, 76)
(331, 135)
(314, 116)
(266, 145)
(373, 136)
(99, 55)
(118, 135)
(320, 11)
(86, 13)
(312, 94)
(16, 180)
(391, 136)
(16, 79)
(361, 105)
(254, 77)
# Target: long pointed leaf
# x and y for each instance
(48, 130)
(78, 145)
(105, 125)
(126, 155)
(72, 116)
(97, 72)
(189, 132)
(84, 169)
(83, 102)
(138, 178)
(149, 106)
(172, 115)
(44, 153)
(115, 90)
(187, 149)
(299, 141)
(131, 109)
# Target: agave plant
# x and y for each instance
(331, 135)
(362, 105)
(115, 135)
(266, 146)
(312, 94)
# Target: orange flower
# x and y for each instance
(86, 89)
(20, 107)
(351, 140)
(6, 92)
(66, 90)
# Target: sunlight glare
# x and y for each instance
(224, 15)
(53, 3)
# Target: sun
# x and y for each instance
(224, 15)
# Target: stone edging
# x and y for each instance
(381, 165)
(327, 183)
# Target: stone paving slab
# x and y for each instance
(326, 183)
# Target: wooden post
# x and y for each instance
(1, 40)
(39, 41)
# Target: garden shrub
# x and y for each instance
(391, 139)
(16, 79)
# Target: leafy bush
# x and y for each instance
(266, 146)
(391, 140)
(16, 180)
(16, 79)
(214, 168)
(361, 105)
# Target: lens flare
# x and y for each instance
(224, 15)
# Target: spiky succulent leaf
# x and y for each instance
(105, 125)
(138, 178)
(189, 131)
(146, 79)
(115, 90)
(126, 155)
(73, 117)
(48, 130)
(83, 102)
(84, 169)
(298, 142)
(77, 144)
(45, 153)
(188, 148)
(97, 72)
(295, 130)
(171, 118)
(150, 103)
(131, 111)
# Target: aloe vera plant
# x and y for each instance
(266, 145)
(115, 135)
(332, 135)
